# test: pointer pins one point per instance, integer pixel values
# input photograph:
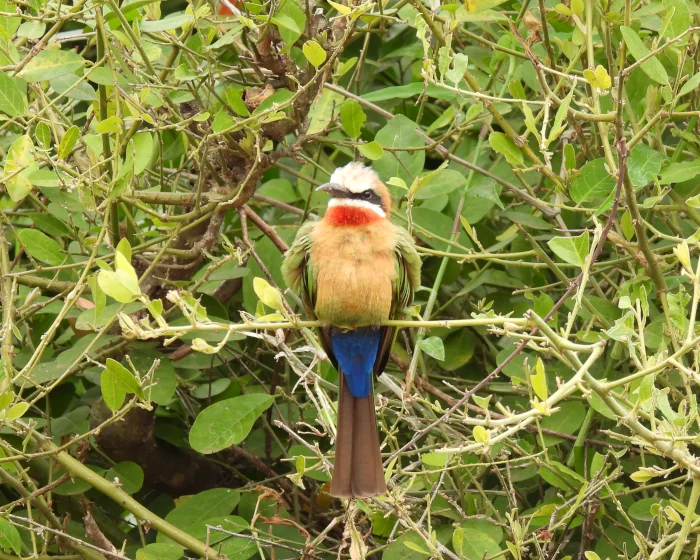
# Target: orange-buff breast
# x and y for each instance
(355, 271)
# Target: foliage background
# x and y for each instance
(158, 158)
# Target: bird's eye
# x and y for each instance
(367, 195)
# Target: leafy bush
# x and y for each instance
(161, 397)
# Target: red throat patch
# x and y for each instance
(351, 216)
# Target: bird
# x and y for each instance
(353, 270)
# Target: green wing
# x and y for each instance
(300, 276)
(408, 265)
(297, 270)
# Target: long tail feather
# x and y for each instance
(358, 471)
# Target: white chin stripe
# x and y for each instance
(335, 202)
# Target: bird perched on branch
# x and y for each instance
(354, 270)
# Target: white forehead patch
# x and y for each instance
(335, 202)
(355, 177)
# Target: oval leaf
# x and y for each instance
(227, 422)
(41, 247)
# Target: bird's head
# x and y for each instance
(358, 196)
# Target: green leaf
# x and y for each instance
(314, 53)
(10, 541)
(680, 20)
(680, 172)
(168, 23)
(539, 380)
(459, 67)
(481, 434)
(68, 142)
(352, 117)
(122, 258)
(51, 63)
(643, 165)
(129, 474)
(458, 539)
(561, 476)
(17, 410)
(527, 220)
(115, 382)
(559, 124)
(434, 347)
(443, 120)
(400, 550)
(41, 247)
(234, 98)
(222, 121)
(42, 132)
(227, 422)
(600, 407)
(572, 250)
(678, 308)
(269, 295)
(479, 539)
(32, 29)
(652, 67)
(641, 509)
(408, 90)
(598, 78)
(690, 86)
(142, 149)
(111, 124)
(593, 181)
(459, 349)
(19, 157)
(118, 285)
(13, 95)
(437, 183)
(73, 87)
(290, 20)
(566, 421)
(104, 77)
(416, 547)
(437, 224)
(164, 376)
(483, 16)
(123, 284)
(371, 150)
(159, 551)
(6, 400)
(208, 504)
(400, 132)
(231, 547)
(323, 110)
(623, 329)
(500, 143)
(487, 190)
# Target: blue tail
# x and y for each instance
(356, 352)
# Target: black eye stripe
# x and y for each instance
(369, 196)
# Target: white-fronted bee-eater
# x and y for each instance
(354, 270)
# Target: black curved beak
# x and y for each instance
(334, 189)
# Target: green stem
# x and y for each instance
(117, 495)
(106, 148)
(6, 297)
(40, 503)
(689, 514)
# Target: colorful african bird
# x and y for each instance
(353, 270)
